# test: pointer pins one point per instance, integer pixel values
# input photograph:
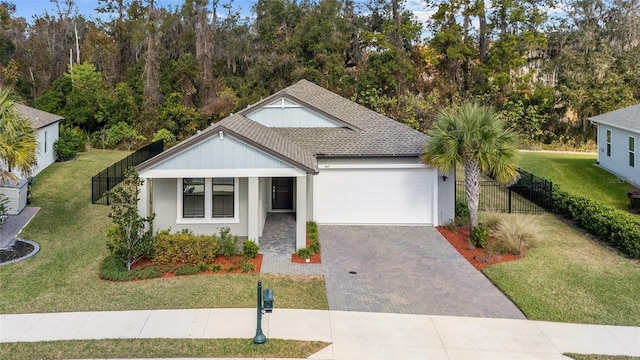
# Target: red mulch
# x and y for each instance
(459, 239)
(314, 259)
(219, 260)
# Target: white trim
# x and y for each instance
(208, 201)
(195, 173)
(631, 151)
(372, 166)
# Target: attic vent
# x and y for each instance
(221, 134)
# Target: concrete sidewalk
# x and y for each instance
(353, 335)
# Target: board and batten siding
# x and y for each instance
(225, 153)
(290, 115)
(618, 162)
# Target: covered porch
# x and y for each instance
(204, 201)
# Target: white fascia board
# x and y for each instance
(372, 166)
(194, 173)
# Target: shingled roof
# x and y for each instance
(627, 118)
(365, 132)
(38, 118)
(370, 133)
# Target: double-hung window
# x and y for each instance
(632, 151)
(193, 198)
(208, 200)
(223, 199)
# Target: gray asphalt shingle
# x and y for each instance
(627, 118)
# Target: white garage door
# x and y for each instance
(374, 196)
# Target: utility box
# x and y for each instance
(267, 299)
(17, 195)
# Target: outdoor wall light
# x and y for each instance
(444, 177)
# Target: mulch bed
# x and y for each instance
(17, 251)
(478, 257)
(314, 259)
(225, 264)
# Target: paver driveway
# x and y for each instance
(405, 269)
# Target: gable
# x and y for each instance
(285, 113)
(221, 152)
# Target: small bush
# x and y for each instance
(491, 219)
(114, 269)
(479, 236)
(230, 268)
(303, 253)
(250, 249)
(462, 217)
(216, 268)
(246, 266)
(228, 243)
(515, 235)
(202, 267)
(187, 270)
(314, 247)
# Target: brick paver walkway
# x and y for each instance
(405, 269)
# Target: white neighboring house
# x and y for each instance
(618, 137)
(47, 126)
(306, 150)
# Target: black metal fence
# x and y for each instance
(529, 195)
(108, 178)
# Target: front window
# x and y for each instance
(632, 151)
(223, 199)
(193, 198)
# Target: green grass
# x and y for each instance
(63, 276)
(567, 277)
(159, 348)
(578, 174)
(600, 357)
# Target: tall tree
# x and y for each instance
(18, 143)
(474, 137)
(152, 96)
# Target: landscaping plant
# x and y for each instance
(130, 237)
(474, 136)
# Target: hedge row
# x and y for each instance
(616, 228)
(185, 248)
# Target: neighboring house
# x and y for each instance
(47, 126)
(304, 150)
(618, 136)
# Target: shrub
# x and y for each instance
(187, 270)
(479, 236)
(216, 268)
(618, 229)
(115, 269)
(491, 219)
(184, 247)
(249, 249)
(246, 266)
(202, 267)
(69, 143)
(312, 230)
(462, 217)
(228, 243)
(303, 253)
(514, 235)
(314, 247)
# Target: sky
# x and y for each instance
(28, 8)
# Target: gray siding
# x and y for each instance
(226, 153)
(165, 207)
(291, 117)
(618, 162)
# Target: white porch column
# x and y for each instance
(253, 228)
(143, 202)
(301, 211)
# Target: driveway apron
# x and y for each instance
(405, 269)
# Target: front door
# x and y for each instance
(282, 193)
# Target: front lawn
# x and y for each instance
(578, 174)
(568, 277)
(159, 348)
(71, 234)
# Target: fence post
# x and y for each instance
(509, 206)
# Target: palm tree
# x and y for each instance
(474, 136)
(18, 143)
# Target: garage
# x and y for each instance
(374, 196)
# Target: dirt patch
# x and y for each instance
(478, 257)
